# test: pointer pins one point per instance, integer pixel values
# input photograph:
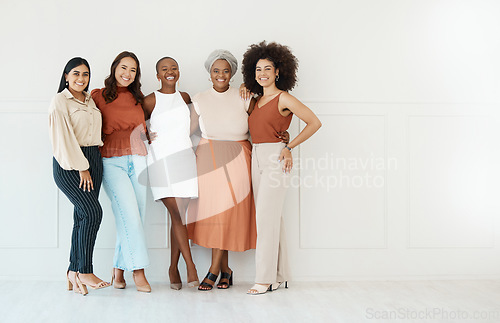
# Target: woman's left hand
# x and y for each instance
(286, 157)
(245, 93)
(284, 136)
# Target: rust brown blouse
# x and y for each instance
(123, 124)
(265, 122)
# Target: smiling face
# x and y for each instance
(168, 72)
(78, 79)
(125, 72)
(265, 72)
(220, 74)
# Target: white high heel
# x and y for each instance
(277, 285)
(260, 289)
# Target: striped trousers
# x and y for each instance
(87, 214)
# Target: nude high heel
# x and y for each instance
(142, 288)
(70, 284)
(117, 284)
(176, 286)
(194, 283)
(83, 288)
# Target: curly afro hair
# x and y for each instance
(282, 58)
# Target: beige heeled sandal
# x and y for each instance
(99, 285)
(259, 289)
(81, 286)
(277, 285)
(71, 285)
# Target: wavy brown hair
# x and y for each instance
(282, 58)
(109, 92)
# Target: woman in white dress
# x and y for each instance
(172, 163)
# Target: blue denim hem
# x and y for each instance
(132, 269)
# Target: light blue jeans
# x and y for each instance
(128, 200)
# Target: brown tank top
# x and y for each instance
(265, 122)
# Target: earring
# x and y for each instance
(209, 79)
(277, 78)
(67, 83)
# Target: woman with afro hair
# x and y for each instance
(270, 71)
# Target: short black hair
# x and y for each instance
(161, 59)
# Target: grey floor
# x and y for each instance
(401, 301)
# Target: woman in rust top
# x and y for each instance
(124, 158)
(269, 70)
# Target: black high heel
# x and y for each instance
(225, 285)
(211, 277)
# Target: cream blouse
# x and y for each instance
(73, 124)
(222, 116)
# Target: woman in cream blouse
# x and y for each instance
(75, 133)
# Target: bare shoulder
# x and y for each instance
(287, 98)
(186, 97)
(149, 101)
(150, 98)
(148, 104)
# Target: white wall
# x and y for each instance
(400, 183)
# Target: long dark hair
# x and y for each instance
(109, 93)
(74, 62)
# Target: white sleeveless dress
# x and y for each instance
(171, 159)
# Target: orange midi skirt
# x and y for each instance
(223, 216)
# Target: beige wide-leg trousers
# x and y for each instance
(269, 189)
